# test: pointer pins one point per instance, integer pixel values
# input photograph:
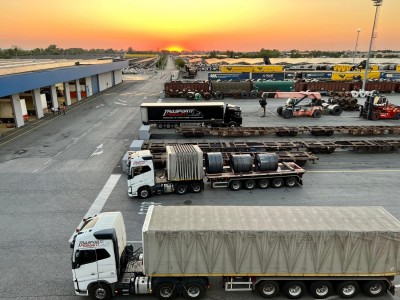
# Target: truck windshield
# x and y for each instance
(140, 170)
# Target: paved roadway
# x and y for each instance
(53, 171)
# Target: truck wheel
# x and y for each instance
(348, 289)
(193, 291)
(291, 181)
(195, 187)
(396, 117)
(160, 126)
(144, 193)
(277, 182)
(374, 288)
(263, 183)
(165, 291)
(100, 291)
(235, 185)
(249, 184)
(268, 289)
(181, 189)
(317, 114)
(168, 126)
(232, 124)
(320, 289)
(279, 110)
(286, 114)
(294, 289)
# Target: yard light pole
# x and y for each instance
(377, 4)
(355, 48)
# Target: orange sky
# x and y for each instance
(239, 25)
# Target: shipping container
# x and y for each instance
(348, 76)
(228, 76)
(273, 86)
(235, 69)
(268, 76)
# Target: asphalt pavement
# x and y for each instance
(52, 173)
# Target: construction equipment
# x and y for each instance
(377, 107)
(315, 107)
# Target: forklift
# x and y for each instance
(377, 107)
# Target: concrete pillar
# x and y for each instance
(17, 110)
(78, 90)
(67, 94)
(53, 94)
(88, 84)
(38, 103)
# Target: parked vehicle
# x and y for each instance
(377, 107)
(185, 172)
(169, 115)
(271, 250)
(296, 106)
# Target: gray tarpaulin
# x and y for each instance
(271, 240)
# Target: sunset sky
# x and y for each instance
(239, 25)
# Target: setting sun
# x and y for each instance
(174, 49)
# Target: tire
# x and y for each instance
(317, 114)
(181, 189)
(196, 187)
(286, 114)
(268, 289)
(160, 126)
(396, 116)
(348, 289)
(168, 126)
(193, 291)
(375, 116)
(232, 124)
(144, 193)
(294, 289)
(263, 183)
(291, 181)
(207, 96)
(250, 184)
(320, 289)
(277, 182)
(165, 291)
(235, 185)
(279, 110)
(374, 288)
(100, 291)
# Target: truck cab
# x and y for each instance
(233, 115)
(140, 171)
(97, 248)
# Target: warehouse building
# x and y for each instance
(29, 89)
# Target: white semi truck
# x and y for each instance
(185, 171)
(272, 250)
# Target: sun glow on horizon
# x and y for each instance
(175, 48)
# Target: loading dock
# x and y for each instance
(30, 91)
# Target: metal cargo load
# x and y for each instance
(270, 241)
(184, 162)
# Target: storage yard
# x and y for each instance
(72, 166)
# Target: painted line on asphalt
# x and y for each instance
(355, 171)
(101, 199)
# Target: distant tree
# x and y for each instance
(130, 50)
(179, 62)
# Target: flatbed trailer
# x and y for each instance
(315, 147)
(288, 131)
